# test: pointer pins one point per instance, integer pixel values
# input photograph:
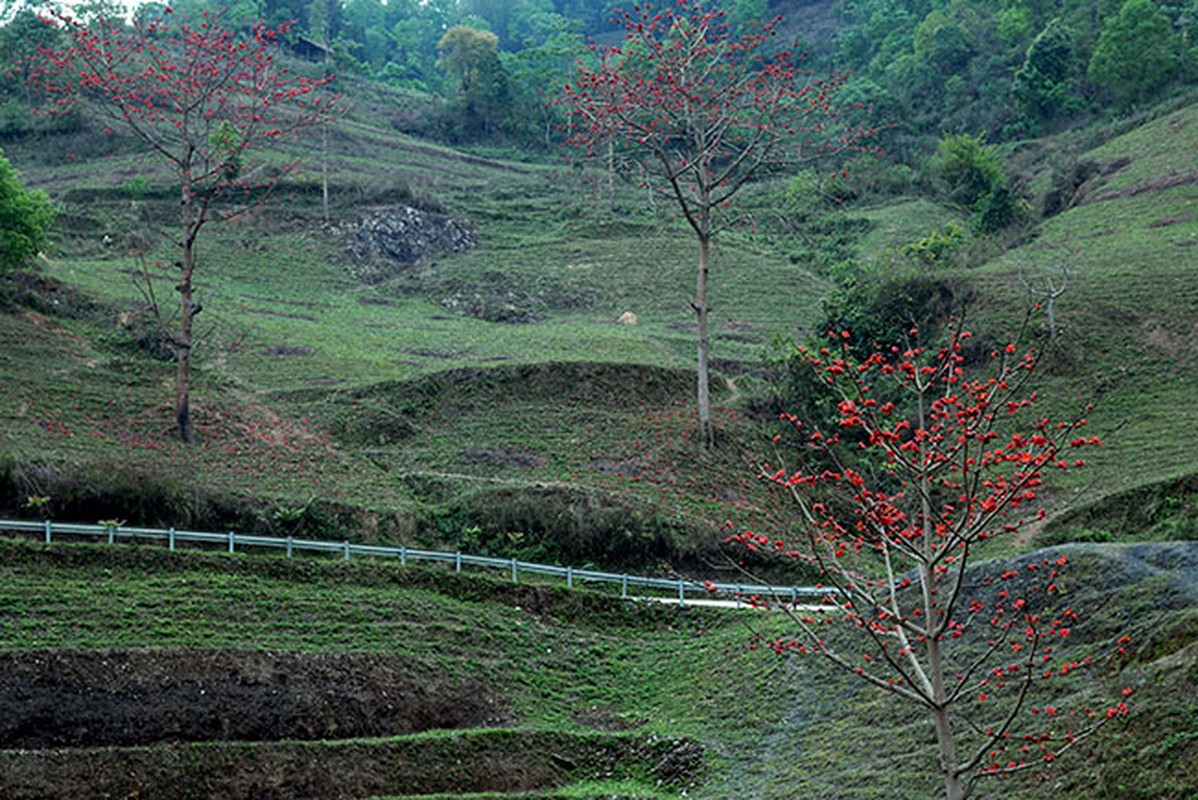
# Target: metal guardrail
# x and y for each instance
(231, 541)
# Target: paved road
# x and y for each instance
(730, 604)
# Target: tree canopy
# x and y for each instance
(1003, 68)
(1135, 54)
(1043, 84)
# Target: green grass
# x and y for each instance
(771, 727)
(585, 649)
(567, 438)
(1156, 149)
(900, 223)
(659, 671)
(1127, 321)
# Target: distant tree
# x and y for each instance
(943, 43)
(1042, 85)
(1136, 52)
(1011, 25)
(538, 72)
(532, 22)
(701, 111)
(924, 469)
(21, 41)
(472, 57)
(749, 12)
(288, 13)
(25, 219)
(236, 14)
(204, 99)
(496, 15)
(466, 53)
(366, 27)
(1045, 289)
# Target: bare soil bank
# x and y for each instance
(91, 699)
(238, 724)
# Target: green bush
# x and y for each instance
(25, 219)
(970, 174)
(939, 249)
(878, 313)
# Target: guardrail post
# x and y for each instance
(515, 577)
(569, 578)
(681, 593)
(170, 539)
(624, 586)
(403, 555)
(232, 547)
(457, 561)
(47, 526)
(290, 546)
(346, 550)
(111, 533)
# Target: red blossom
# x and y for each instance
(965, 464)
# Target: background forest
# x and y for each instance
(489, 69)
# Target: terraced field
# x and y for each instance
(490, 399)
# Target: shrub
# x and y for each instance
(970, 173)
(25, 219)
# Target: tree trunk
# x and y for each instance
(324, 126)
(953, 788)
(611, 173)
(704, 390)
(945, 738)
(324, 170)
(183, 357)
(186, 311)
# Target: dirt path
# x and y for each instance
(1027, 532)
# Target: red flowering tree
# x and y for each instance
(699, 111)
(205, 99)
(929, 463)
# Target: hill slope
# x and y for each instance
(293, 339)
(489, 399)
(134, 669)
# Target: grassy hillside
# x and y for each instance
(282, 675)
(292, 342)
(1128, 315)
(490, 400)
(406, 392)
(374, 652)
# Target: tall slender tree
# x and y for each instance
(701, 110)
(204, 99)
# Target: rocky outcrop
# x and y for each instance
(381, 242)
